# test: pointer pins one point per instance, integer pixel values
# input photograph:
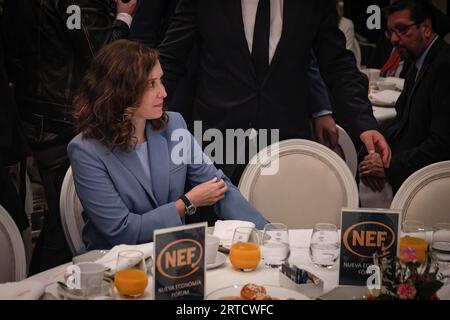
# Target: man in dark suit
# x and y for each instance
(54, 56)
(150, 24)
(13, 148)
(254, 60)
(420, 134)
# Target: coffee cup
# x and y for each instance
(83, 274)
(211, 248)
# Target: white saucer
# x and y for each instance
(220, 260)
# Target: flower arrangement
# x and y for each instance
(406, 278)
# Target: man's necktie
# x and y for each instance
(411, 80)
(261, 35)
(404, 109)
(391, 65)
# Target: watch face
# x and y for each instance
(191, 210)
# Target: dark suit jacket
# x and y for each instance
(12, 149)
(151, 21)
(420, 134)
(228, 94)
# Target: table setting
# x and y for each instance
(276, 263)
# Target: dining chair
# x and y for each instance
(299, 183)
(347, 151)
(13, 264)
(71, 213)
(425, 195)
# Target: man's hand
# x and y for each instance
(128, 7)
(371, 171)
(326, 131)
(375, 143)
(372, 165)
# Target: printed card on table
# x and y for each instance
(365, 232)
(179, 268)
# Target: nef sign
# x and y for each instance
(179, 269)
(364, 233)
(180, 258)
(366, 238)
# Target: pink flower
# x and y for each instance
(408, 254)
(406, 291)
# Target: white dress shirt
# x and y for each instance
(249, 8)
(125, 17)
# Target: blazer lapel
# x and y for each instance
(233, 10)
(158, 154)
(131, 161)
(426, 65)
(290, 17)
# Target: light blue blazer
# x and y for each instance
(121, 206)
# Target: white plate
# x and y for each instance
(274, 291)
(220, 260)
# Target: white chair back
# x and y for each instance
(348, 153)
(311, 185)
(13, 264)
(71, 213)
(425, 195)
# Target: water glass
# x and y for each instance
(275, 244)
(131, 275)
(324, 247)
(101, 291)
(440, 246)
(245, 253)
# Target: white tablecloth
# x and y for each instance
(226, 275)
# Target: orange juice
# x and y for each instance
(245, 255)
(131, 282)
(420, 245)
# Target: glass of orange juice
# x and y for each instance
(245, 253)
(131, 275)
(414, 237)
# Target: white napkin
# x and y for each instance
(386, 98)
(224, 229)
(22, 290)
(110, 259)
(399, 82)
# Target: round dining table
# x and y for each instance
(225, 275)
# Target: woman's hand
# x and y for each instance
(207, 193)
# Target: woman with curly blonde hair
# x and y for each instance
(125, 159)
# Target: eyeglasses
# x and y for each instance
(400, 31)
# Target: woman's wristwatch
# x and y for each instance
(189, 208)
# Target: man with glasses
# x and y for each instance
(420, 134)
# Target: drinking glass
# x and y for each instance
(245, 253)
(275, 244)
(131, 275)
(440, 246)
(324, 247)
(414, 237)
(101, 291)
